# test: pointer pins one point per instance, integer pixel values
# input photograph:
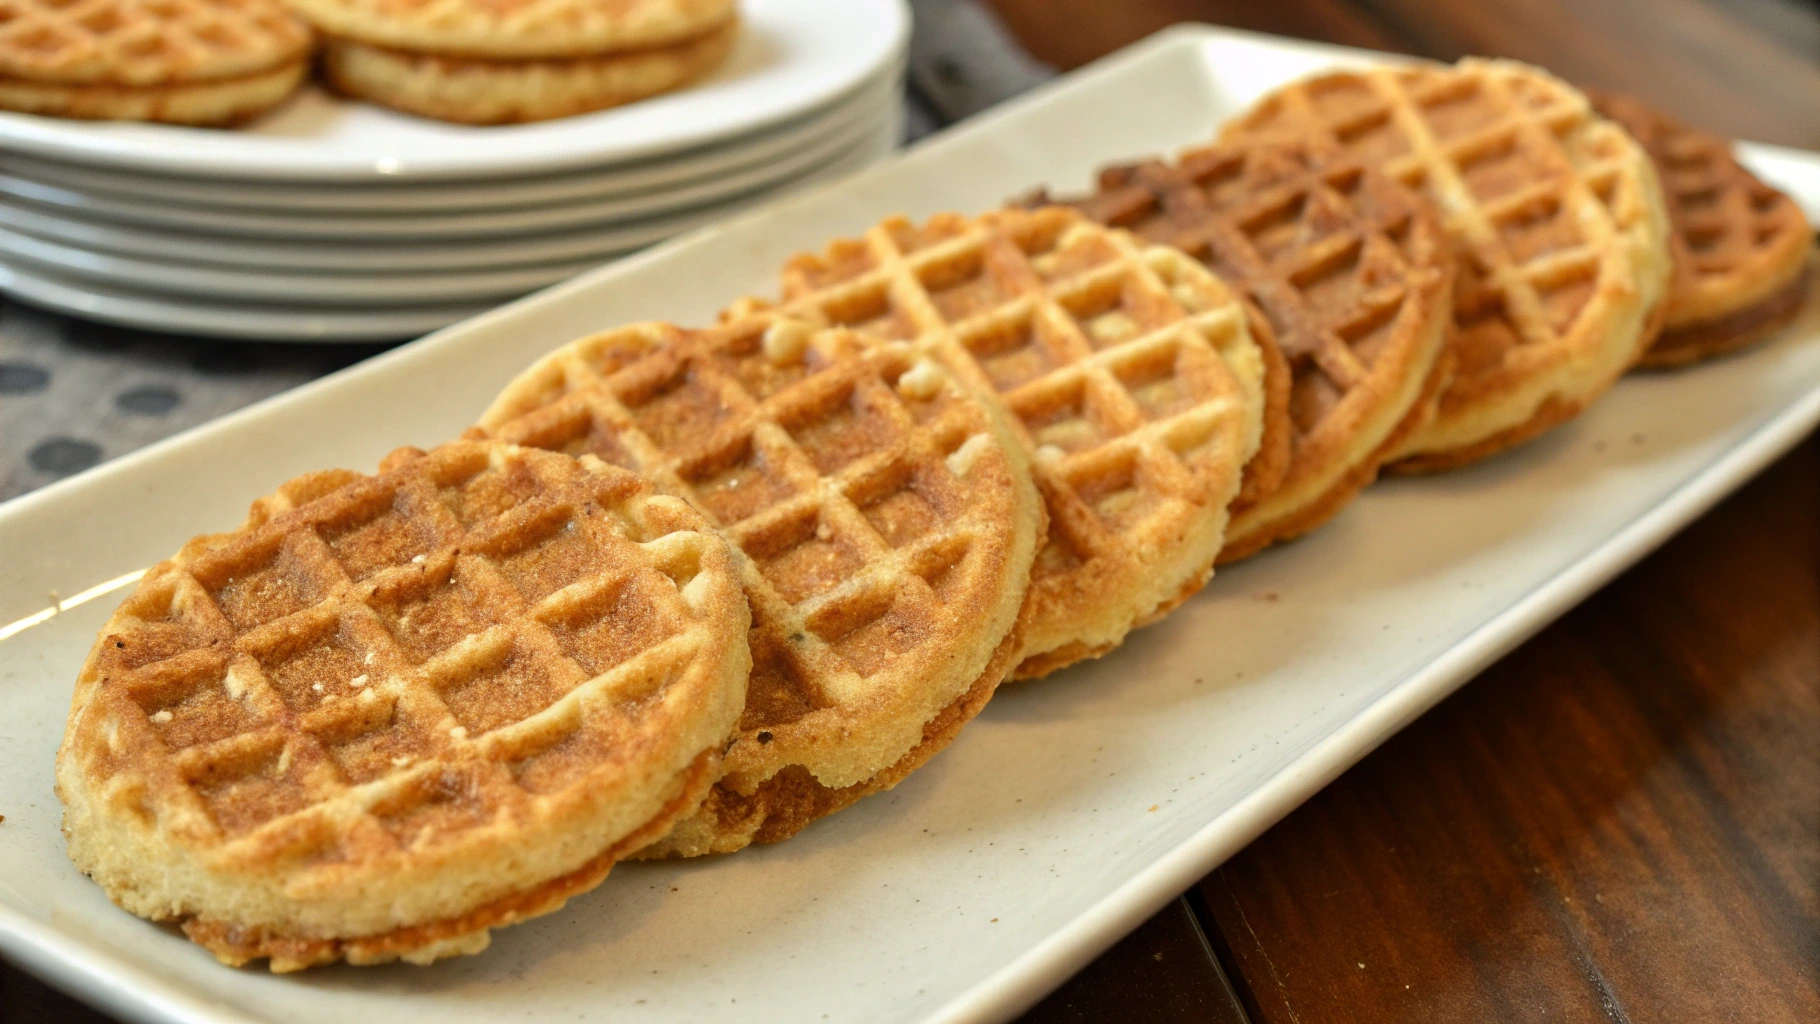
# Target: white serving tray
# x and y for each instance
(1070, 810)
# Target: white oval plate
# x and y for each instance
(792, 56)
(352, 226)
(152, 312)
(393, 197)
(595, 244)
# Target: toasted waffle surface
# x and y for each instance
(216, 102)
(1352, 273)
(1740, 245)
(1557, 218)
(1129, 373)
(885, 519)
(516, 29)
(391, 712)
(145, 42)
(481, 91)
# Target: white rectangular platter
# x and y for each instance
(1070, 810)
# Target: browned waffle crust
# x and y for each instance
(1351, 272)
(389, 713)
(200, 62)
(127, 43)
(1556, 215)
(1740, 246)
(471, 90)
(1128, 370)
(886, 519)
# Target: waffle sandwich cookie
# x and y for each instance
(196, 62)
(486, 91)
(1741, 247)
(1351, 274)
(1557, 218)
(391, 712)
(1127, 371)
(884, 520)
(498, 63)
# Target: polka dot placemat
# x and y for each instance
(75, 394)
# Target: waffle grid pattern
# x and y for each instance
(1734, 233)
(842, 471)
(148, 42)
(1541, 196)
(379, 665)
(1129, 371)
(1349, 268)
(1525, 176)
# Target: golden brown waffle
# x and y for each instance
(513, 91)
(886, 520)
(389, 713)
(1130, 373)
(1556, 214)
(215, 103)
(1353, 275)
(145, 42)
(1740, 246)
(516, 29)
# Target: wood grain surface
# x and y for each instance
(1618, 822)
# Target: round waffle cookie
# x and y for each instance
(516, 29)
(389, 713)
(182, 61)
(1741, 247)
(1558, 221)
(217, 103)
(514, 91)
(1130, 374)
(1352, 274)
(886, 523)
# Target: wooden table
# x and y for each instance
(1621, 820)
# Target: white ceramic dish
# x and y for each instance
(792, 57)
(1070, 810)
(392, 257)
(288, 287)
(332, 225)
(154, 312)
(197, 285)
(645, 176)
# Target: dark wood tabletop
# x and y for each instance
(1618, 822)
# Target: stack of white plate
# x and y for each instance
(336, 220)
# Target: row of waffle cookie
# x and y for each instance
(684, 590)
(681, 590)
(1454, 260)
(221, 62)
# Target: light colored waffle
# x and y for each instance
(516, 29)
(886, 520)
(1556, 215)
(214, 103)
(1353, 275)
(145, 42)
(389, 713)
(1130, 373)
(513, 91)
(1740, 245)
